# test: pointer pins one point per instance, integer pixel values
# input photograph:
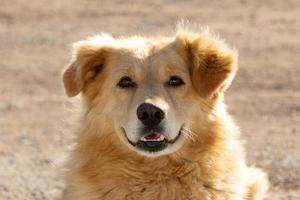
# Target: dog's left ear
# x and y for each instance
(213, 64)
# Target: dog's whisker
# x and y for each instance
(188, 134)
(189, 131)
(189, 137)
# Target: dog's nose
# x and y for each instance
(149, 114)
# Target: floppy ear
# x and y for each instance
(88, 60)
(213, 64)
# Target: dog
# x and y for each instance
(154, 125)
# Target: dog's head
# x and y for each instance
(150, 92)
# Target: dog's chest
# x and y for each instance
(175, 188)
(164, 189)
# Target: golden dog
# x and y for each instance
(154, 124)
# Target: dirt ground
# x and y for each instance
(35, 41)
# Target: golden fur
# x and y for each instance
(208, 163)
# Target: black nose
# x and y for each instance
(149, 114)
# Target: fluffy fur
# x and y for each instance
(208, 163)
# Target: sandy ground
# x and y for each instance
(35, 41)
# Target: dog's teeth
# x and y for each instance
(161, 138)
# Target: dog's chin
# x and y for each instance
(155, 144)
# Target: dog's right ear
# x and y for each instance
(88, 61)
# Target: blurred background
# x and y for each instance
(35, 43)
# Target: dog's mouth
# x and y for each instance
(153, 141)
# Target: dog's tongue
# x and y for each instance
(152, 136)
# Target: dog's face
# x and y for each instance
(150, 91)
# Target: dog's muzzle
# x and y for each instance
(152, 138)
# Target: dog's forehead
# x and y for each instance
(136, 47)
(156, 54)
(142, 48)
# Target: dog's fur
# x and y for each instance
(207, 163)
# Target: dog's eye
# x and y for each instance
(126, 82)
(175, 81)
